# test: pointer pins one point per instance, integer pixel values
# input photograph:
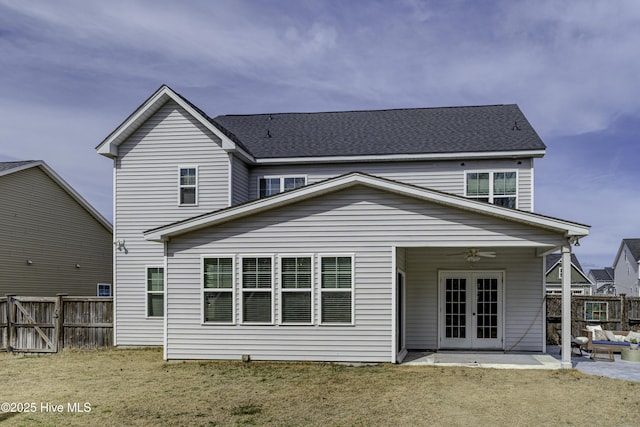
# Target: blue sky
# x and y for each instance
(71, 71)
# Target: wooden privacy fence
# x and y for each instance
(620, 313)
(51, 324)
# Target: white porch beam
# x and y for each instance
(566, 307)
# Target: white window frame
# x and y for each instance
(104, 284)
(195, 186)
(147, 291)
(204, 290)
(491, 196)
(606, 311)
(281, 178)
(242, 289)
(282, 290)
(323, 290)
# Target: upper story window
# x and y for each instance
(270, 185)
(499, 188)
(188, 186)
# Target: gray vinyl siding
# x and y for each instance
(626, 273)
(240, 181)
(361, 221)
(447, 176)
(523, 294)
(41, 222)
(147, 196)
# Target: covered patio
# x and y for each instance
(475, 306)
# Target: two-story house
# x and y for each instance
(626, 272)
(339, 236)
(51, 239)
(580, 283)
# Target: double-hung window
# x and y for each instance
(218, 289)
(336, 289)
(499, 188)
(295, 290)
(269, 186)
(188, 186)
(257, 290)
(155, 291)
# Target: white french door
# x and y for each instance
(471, 310)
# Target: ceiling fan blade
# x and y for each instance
(486, 254)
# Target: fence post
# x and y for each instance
(11, 323)
(624, 313)
(59, 322)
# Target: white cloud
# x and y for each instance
(72, 70)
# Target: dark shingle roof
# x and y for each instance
(5, 166)
(552, 259)
(634, 247)
(602, 274)
(383, 132)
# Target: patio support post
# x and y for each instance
(566, 307)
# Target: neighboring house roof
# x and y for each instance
(634, 248)
(553, 260)
(569, 229)
(7, 168)
(449, 132)
(477, 129)
(602, 274)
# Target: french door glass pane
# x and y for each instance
(487, 308)
(218, 306)
(296, 307)
(456, 308)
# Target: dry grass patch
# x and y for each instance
(136, 387)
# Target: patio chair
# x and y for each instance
(576, 343)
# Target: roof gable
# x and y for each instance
(109, 146)
(7, 168)
(569, 229)
(634, 247)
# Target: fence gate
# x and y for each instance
(32, 324)
(4, 330)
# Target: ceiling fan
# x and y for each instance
(474, 255)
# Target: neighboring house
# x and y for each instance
(626, 272)
(344, 236)
(603, 279)
(52, 240)
(580, 283)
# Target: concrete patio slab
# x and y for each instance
(496, 360)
